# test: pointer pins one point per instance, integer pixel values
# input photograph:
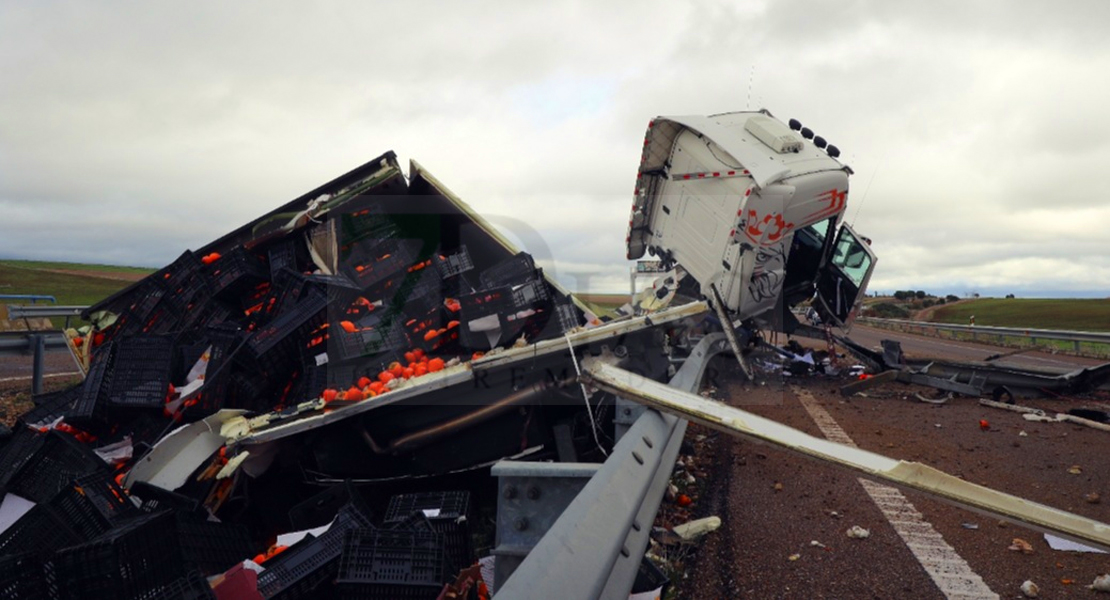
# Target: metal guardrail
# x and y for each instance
(32, 297)
(595, 547)
(37, 343)
(23, 311)
(34, 311)
(1076, 337)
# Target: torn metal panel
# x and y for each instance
(273, 427)
(865, 384)
(904, 474)
(178, 454)
(948, 385)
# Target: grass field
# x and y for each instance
(1037, 313)
(81, 285)
(65, 266)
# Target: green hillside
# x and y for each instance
(1035, 313)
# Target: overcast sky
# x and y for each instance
(977, 130)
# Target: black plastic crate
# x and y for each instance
(483, 303)
(450, 265)
(155, 499)
(376, 335)
(566, 316)
(133, 561)
(282, 255)
(391, 565)
(93, 504)
(97, 384)
(375, 263)
(421, 292)
(368, 225)
(650, 577)
(435, 505)
(141, 376)
(417, 521)
(42, 530)
(225, 342)
(147, 298)
(206, 313)
(301, 569)
(236, 271)
(181, 269)
(276, 346)
(193, 586)
(339, 289)
(447, 512)
(212, 547)
(511, 271)
(531, 294)
(59, 461)
(20, 447)
(23, 577)
(320, 509)
(52, 406)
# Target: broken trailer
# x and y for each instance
(334, 365)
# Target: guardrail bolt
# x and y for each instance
(533, 492)
(521, 524)
(627, 412)
(510, 492)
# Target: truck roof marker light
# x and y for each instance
(833, 151)
(748, 192)
(716, 174)
(820, 142)
(807, 133)
(795, 124)
(732, 172)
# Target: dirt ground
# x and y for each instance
(775, 505)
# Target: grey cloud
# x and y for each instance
(981, 123)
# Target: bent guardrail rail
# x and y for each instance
(594, 548)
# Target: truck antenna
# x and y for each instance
(751, 76)
(865, 191)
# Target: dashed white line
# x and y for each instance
(26, 377)
(948, 570)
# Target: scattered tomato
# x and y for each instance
(435, 364)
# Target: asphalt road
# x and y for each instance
(20, 368)
(785, 517)
(927, 347)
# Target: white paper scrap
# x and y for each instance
(1059, 543)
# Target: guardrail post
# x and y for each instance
(39, 345)
(1077, 349)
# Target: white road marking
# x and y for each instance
(949, 571)
(25, 377)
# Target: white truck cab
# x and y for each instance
(753, 208)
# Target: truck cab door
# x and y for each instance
(842, 283)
